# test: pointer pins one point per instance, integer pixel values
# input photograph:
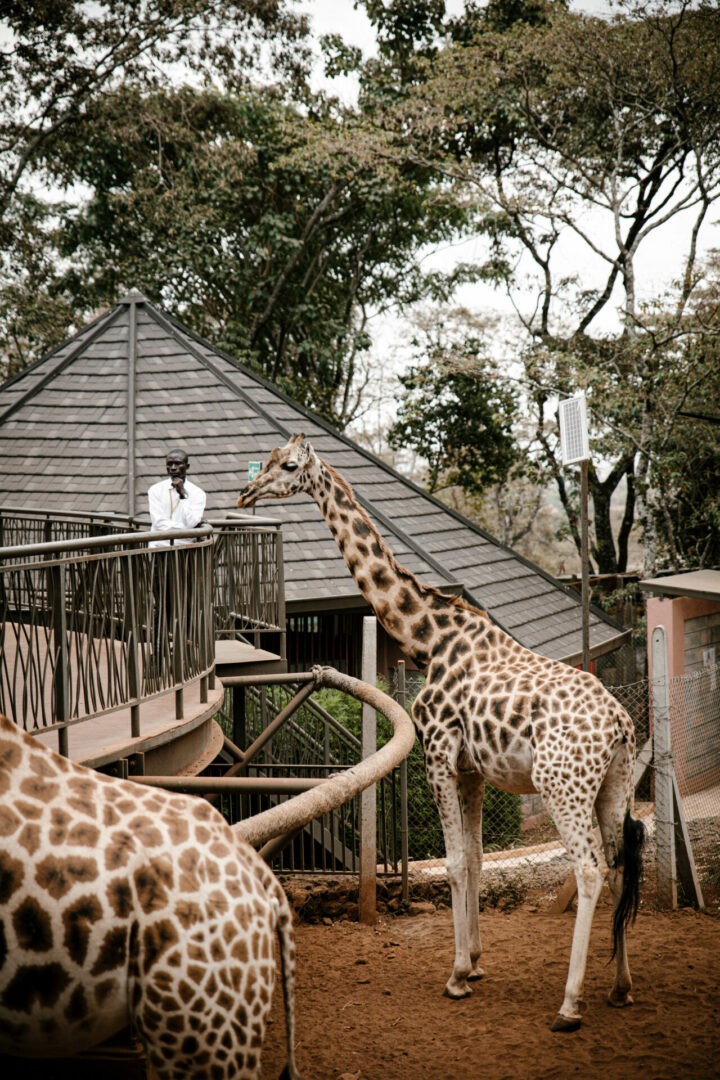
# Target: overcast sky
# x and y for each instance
(657, 259)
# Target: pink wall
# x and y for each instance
(672, 613)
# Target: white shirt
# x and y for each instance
(169, 512)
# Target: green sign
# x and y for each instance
(253, 469)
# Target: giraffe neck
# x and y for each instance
(416, 616)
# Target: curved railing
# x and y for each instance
(248, 586)
(91, 625)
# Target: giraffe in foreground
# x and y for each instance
(121, 904)
(492, 710)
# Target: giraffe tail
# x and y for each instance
(286, 938)
(631, 860)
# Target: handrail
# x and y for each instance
(53, 511)
(340, 788)
(111, 540)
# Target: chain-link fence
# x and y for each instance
(519, 837)
(518, 833)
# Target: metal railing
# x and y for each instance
(283, 814)
(249, 596)
(91, 625)
(248, 585)
(311, 744)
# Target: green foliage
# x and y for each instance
(269, 229)
(548, 119)
(460, 422)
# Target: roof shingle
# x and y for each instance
(64, 438)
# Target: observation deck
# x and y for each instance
(112, 650)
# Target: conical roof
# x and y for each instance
(87, 428)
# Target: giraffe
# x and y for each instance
(121, 904)
(492, 710)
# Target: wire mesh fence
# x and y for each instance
(519, 837)
(314, 742)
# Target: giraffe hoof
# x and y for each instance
(457, 992)
(619, 1000)
(566, 1023)
(476, 973)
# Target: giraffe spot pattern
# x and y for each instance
(77, 920)
(32, 926)
(32, 984)
(12, 874)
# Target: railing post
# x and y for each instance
(404, 852)
(178, 646)
(61, 670)
(133, 647)
(205, 620)
(281, 614)
(664, 815)
(209, 564)
(367, 909)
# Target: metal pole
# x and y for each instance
(664, 816)
(367, 899)
(61, 673)
(131, 395)
(585, 568)
(404, 848)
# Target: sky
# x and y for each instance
(658, 258)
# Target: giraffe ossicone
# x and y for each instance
(121, 904)
(492, 710)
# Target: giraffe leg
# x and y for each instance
(610, 807)
(444, 789)
(472, 789)
(576, 833)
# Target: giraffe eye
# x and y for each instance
(289, 466)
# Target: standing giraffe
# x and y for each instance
(121, 904)
(492, 710)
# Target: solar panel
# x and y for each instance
(572, 417)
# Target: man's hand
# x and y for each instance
(179, 485)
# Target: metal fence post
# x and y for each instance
(367, 909)
(61, 670)
(664, 816)
(404, 854)
(133, 640)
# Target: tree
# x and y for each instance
(59, 63)
(57, 60)
(455, 412)
(550, 122)
(265, 227)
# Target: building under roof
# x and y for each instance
(88, 425)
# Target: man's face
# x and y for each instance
(176, 466)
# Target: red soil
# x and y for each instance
(370, 1005)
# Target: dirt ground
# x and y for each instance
(370, 1004)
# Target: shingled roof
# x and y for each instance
(87, 428)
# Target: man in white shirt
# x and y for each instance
(175, 503)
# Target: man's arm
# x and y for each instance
(159, 507)
(191, 509)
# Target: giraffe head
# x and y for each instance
(284, 473)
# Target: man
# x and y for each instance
(176, 503)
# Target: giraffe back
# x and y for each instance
(120, 903)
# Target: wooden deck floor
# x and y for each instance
(105, 739)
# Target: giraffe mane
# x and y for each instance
(427, 590)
